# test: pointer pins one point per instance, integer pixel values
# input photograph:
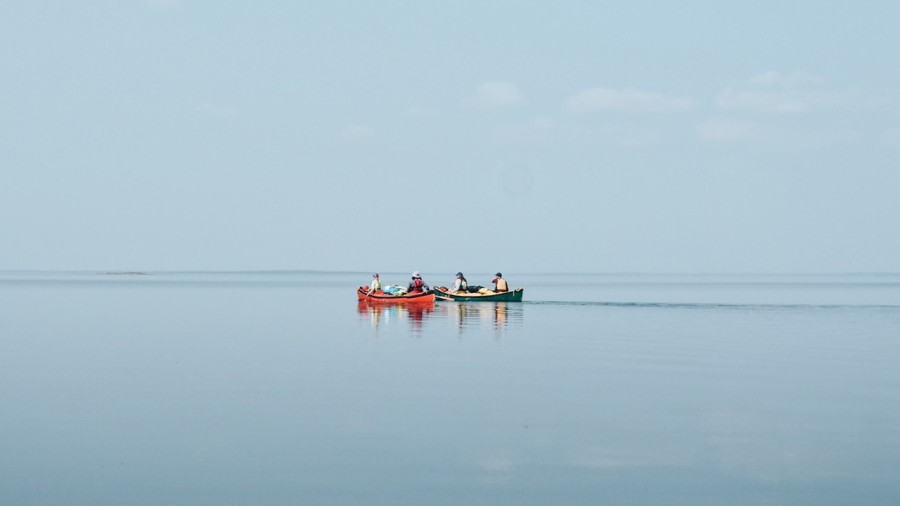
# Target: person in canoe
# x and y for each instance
(416, 285)
(459, 284)
(500, 283)
(375, 286)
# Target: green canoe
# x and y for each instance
(511, 296)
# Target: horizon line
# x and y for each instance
(341, 271)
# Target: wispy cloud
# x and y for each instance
(785, 93)
(891, 137)
(537, 129)
(357, 131)
(726, 129)
(497, 468)
(163, 5)
(542, 123)
(214, 110)
(781, 101)
(627, 100)
(790, 80)
(498, 94)
(620, 458)
(418, 112)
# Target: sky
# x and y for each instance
(579, 136)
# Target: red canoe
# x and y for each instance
(410, 298)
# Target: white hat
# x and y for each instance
(415, 274)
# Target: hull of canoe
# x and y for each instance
(383, 298)
(511, 296)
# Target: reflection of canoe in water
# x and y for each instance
(383, 298)
(511, 296)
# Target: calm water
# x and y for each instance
(278, 388)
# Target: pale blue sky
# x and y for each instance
(474, 136)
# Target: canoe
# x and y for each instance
(383, 298)
(511, 296)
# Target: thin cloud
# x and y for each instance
(537, 129)
(163, 5)
(790, 80)
(357, 131)
(498, 94)
(216, 111)
(542, 123)
(777, 101)
(786, 93)
(722, 129)
(418, 112)
(627, 100)
(891, 137)
(496, 468)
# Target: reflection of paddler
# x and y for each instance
(415, 314)
(376, 316)
(364, 308)
(461, 314)
(500, 314)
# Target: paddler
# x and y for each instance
(500, 283)
(416, 285)
(459, 284)
(375, 286)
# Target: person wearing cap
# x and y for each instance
(416, 285)
(375, 286)
(459, 284)
(500, 283)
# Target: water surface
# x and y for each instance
(279, 388)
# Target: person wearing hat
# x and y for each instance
(375, 286)
(459, 284)
(500, 283)
(416, 285)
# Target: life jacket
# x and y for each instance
(501, 285)
(417, 285)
